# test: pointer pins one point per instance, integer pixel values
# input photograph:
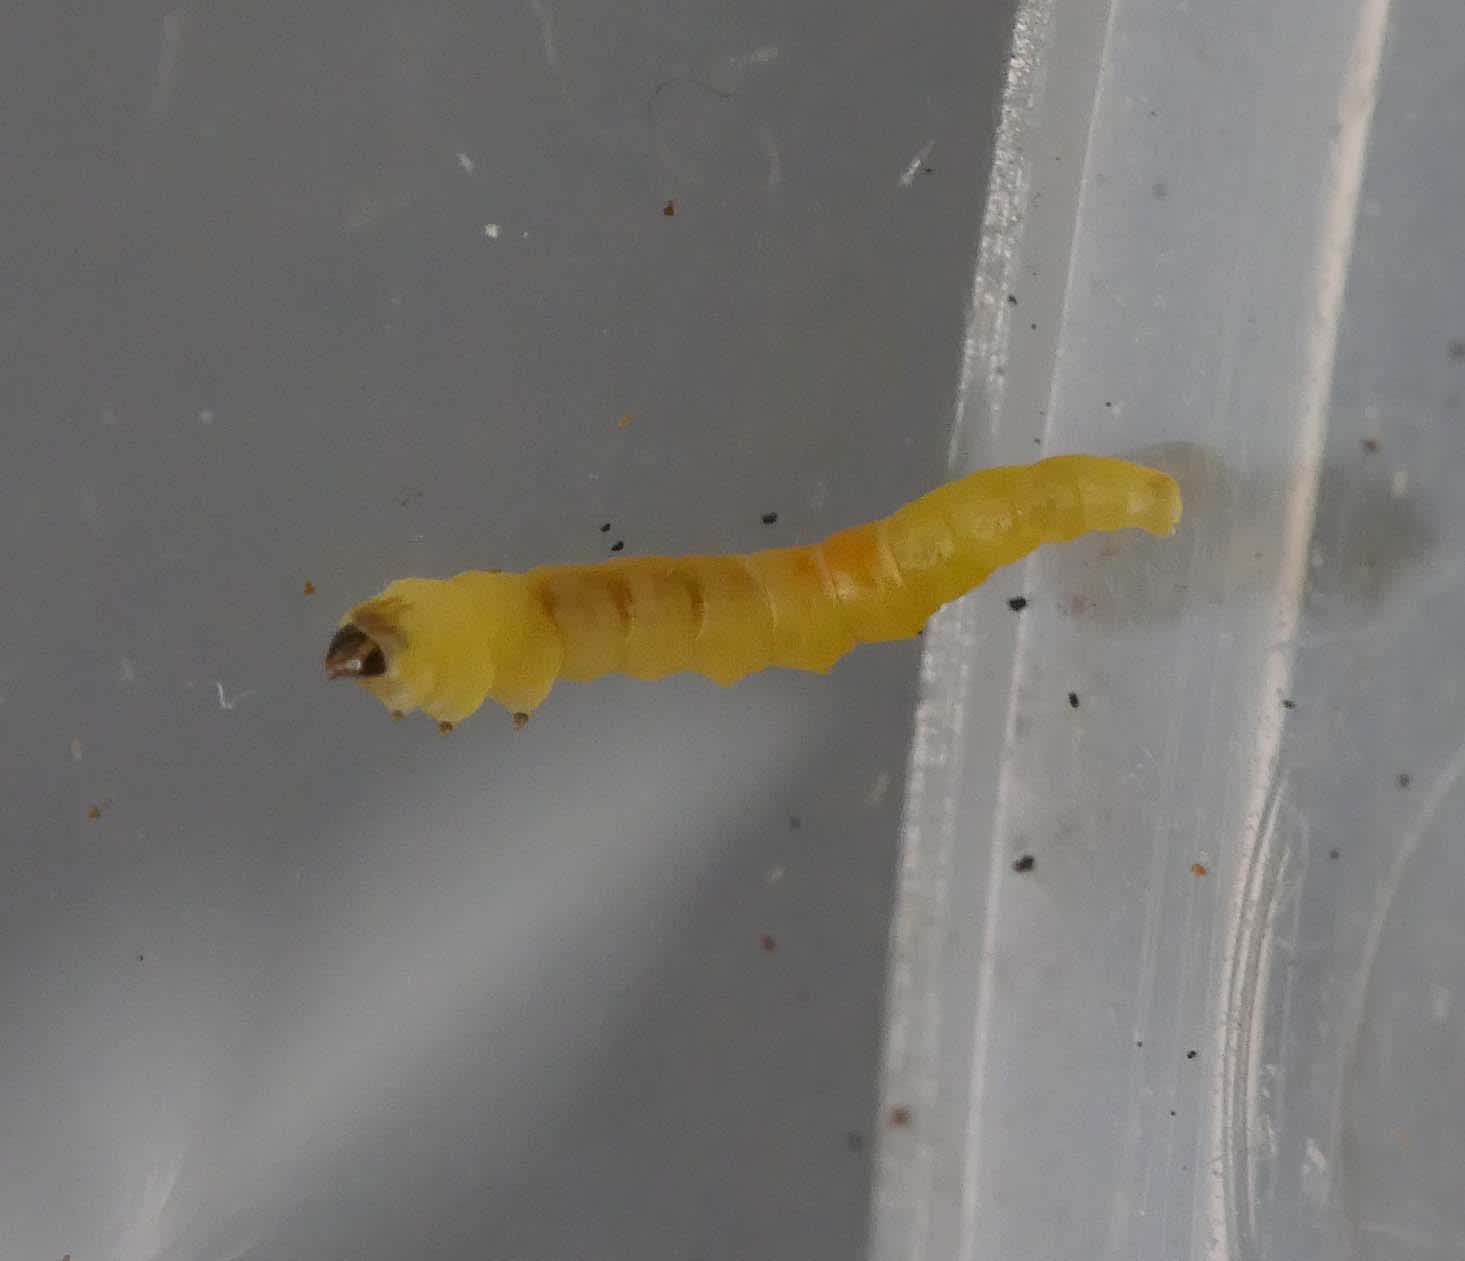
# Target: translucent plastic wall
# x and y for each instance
(1217, 1015)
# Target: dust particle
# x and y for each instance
(618, 546)
(1198, 869)
(1024, 863)
(1403, 779)
(605, 528)
(1012, 299)
(1334, 854)
(669, 209)
(900, 1115)
(1289, 704)
(1073, 700)
(794, 823)
(769, 518)
(445, 727)
(1371, 445)
(521, 720)
(1190, 1055)
(1018, 603)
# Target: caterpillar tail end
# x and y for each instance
(1160, 506)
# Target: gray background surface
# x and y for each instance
(314, 984)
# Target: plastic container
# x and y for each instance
(301, 299)
(1216, 1015)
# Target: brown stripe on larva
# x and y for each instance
(696, 597)
(888, 563)
(761, 588)
(826, 582)
(620, 596)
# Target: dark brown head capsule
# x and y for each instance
(353, 654)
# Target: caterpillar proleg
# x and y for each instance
(446, 645)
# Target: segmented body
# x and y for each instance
(446, 645)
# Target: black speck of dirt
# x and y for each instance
(769, 518)
(1333, 854)
(1160, 189)
(1024, 863)
(618, 546)
(927, 170)
(1034, 327)
(1140, 1043)
(855, 1141)
(900, 1116)
(1073, 700)
(1457, 349)
(1190, 1055)
(794, 823)
(1012, 299)
(605, 529)
(1108, 402)
(1403, 779)
(768, 942)
(1371, 445)
(140, 958)
(1172, 1112)
(669, 209)
(1289, 704)
(1018, 603)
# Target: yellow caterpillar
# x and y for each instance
(446, 645)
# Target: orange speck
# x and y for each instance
(624, 421)
(94, 812)
(309, 587)
(1198, 869)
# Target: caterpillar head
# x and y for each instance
(353, 654)
(446, 646)
(376, 645)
